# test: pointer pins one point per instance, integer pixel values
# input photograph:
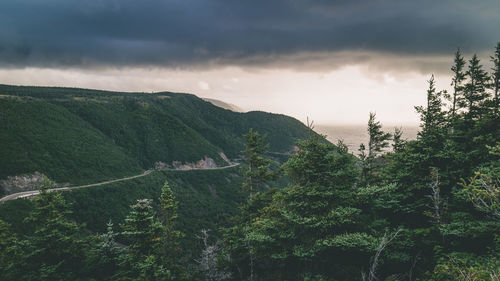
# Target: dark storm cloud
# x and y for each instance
(185, 33)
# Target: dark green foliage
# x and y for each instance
(457, 100)
(8, 240)
(171, 248)
(143, 234)
(496, 76)
(168, 206)
(105, 255)
(305, 229)
(432, 116)
(40, 136)
(141, 228)
(206, 199)
(398, 143)
(256, 168)
(54, 250)
(454, 149)
(475, 92)
(321, 163)
(466, 266)
(378, 141)
(85, 136)
(440, 191)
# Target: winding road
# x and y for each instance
(32, 193)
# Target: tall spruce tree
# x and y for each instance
(312, 228)
(168, 206)
(8, 240)
(256, 168)
(143, 234)
(432, 116)
(54, 251)
(141, 228)
(377, 142)
(475, 92)
(171, 249)
(378, 139)
(457, 83)
(398, 141)
(496, 76)
(104, 262)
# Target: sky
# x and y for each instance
(332, 61)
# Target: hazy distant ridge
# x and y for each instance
(225, 105)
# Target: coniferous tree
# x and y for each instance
(141, 228)
(378, 140)
(168, 206)
(496, 76)
(54, 251)
(457, 83)
(475, 92)
(105, 261)
(362, 151)
(7, 244)
(256, 168)
(310, 228)
(143, 234)
(171, 240)
(432, 116)
(398, 142)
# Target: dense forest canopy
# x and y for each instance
(428, 209)
(79, 136)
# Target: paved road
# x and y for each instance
(25, 194)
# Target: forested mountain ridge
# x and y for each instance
(84, 136)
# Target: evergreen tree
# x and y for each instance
(378, 139)
(256, 168)
(168, 206)
(313, 228)
(457, 83)
(142, 229)
(398, 142)
(496, 76)
(143, 234)
(362, 152)
(104, 263)
(432, 116)
(55, 249)
(476, 87)
(171, 240)
(7, 244)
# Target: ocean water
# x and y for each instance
(354, 135)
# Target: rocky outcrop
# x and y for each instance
(19, 183)
(207, 163)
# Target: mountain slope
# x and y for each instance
(83, 136)
(39, 136)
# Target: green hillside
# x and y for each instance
(207, 200)
(83, 136)
(40, 136)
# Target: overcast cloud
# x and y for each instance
(332, 61)
(204, 33)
